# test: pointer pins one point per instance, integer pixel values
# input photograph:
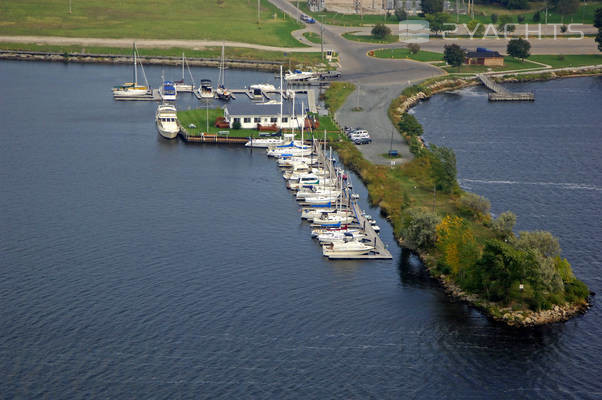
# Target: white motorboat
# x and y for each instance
(133, 89)
(331, 219)
(299, 76)
(346, 248)
(167, 121)
(272, 142)
(205, 91)
(168, 91)
(340, 236)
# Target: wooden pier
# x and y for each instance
(214, 139)
(502, 94)
(380, 251)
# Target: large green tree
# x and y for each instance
(454, 55)
(432, 6)
(598, 18)
(566, 7)
(599, 39)
(438, 22)
(381, 31)
(443, 168)
(519, 48)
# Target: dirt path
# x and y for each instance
(148, 43)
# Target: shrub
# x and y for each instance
(236, 125)
(494, 18)
(380, 31)
(504, 224)
(475, 204)
(563, 28)
(520, 19)
(541, 241)
(537, 16)
(414, 48)
(401, 14)
(420, 228)
(410, 125)
(443, 168)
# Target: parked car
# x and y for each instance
(307, 19)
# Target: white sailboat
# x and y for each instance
(180, 85)
(133, 89)
(342, 249)
(167, 121)
(221, 92)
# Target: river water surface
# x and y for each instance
(134, 267)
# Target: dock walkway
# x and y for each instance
(380, 251)
(502, 94)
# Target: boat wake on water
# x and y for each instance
(560, 185)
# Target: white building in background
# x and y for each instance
(250, 115)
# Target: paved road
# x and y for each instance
(380, 82)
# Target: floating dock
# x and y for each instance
(380, 251)
(502, 94)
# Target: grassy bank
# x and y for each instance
(514, 278)
(236, 53)
(402, 53)
(336, 95)
(232, 20)
(312, 37)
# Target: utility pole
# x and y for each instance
(207, 116)
(357, 106)
(434, 196)
(322, 36)
(69, 6)
(258, 11)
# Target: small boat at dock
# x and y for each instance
(168, 91)
(180, 85)
(131, 90)
(206, 89)
(346, 248)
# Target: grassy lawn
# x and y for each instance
(370, 38)
(233, 20)
(510, 64)
(333, 18)
(585, 13)
(560, 61)
(422, 55)
(312, 37)
(237, 53)
(336, 94)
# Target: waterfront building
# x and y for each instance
(250, 115)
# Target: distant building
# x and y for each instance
(486, 57)
(250, 115)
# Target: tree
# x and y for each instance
(537, 16)
(438, 22)
(401, 14)
(236, 124)
(517, 4)
(414, 48)
(457, 245)
(493, 18)
(380, 31)
(475, 27)
(443, 168)
(454, 55)
(432, 6)
(541, 241)
(599, 39)
(410, 125)
(566, 7)
(477, 205)
(598, 18)
(519, 48)
(420, 228)
(506, 24)
(504, 224)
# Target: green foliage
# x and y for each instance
(432, 6)
(400, 14)
(475, 27)
(336, 94)
(598, 18)
(410, 125)
(504, 224)
(520, 19)
(541, 241)
(438, 22)
(414, 48)
(565, 7)
(537, 16)
(599, 39)
(443, 168)
(419, 229)
(519, 48)
(236, 125)
(506, 24)
(476, 205)
(494, 18)
(576, 291)
(516, 4)
(454, 55)
(380, 31)
(457, 244)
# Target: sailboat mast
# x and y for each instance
(135, 67)
(182, 67)
(281, 99)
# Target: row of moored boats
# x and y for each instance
(324, 194)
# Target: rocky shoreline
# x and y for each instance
(269, 66)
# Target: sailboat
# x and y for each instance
(133, 89)
(180, 85)
(221, 91)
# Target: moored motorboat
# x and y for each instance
(205, 91)
(346, 248)
(167, 121)
(168, 91)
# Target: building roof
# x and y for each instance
(483, 53)
(240, 108)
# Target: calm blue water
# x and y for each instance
(133, 267)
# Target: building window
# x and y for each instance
(237, 120)
(273, 120)
(284, 120)
(247, 120)
(257, 120)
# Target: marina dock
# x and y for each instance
(380, 251)
(502, 94)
